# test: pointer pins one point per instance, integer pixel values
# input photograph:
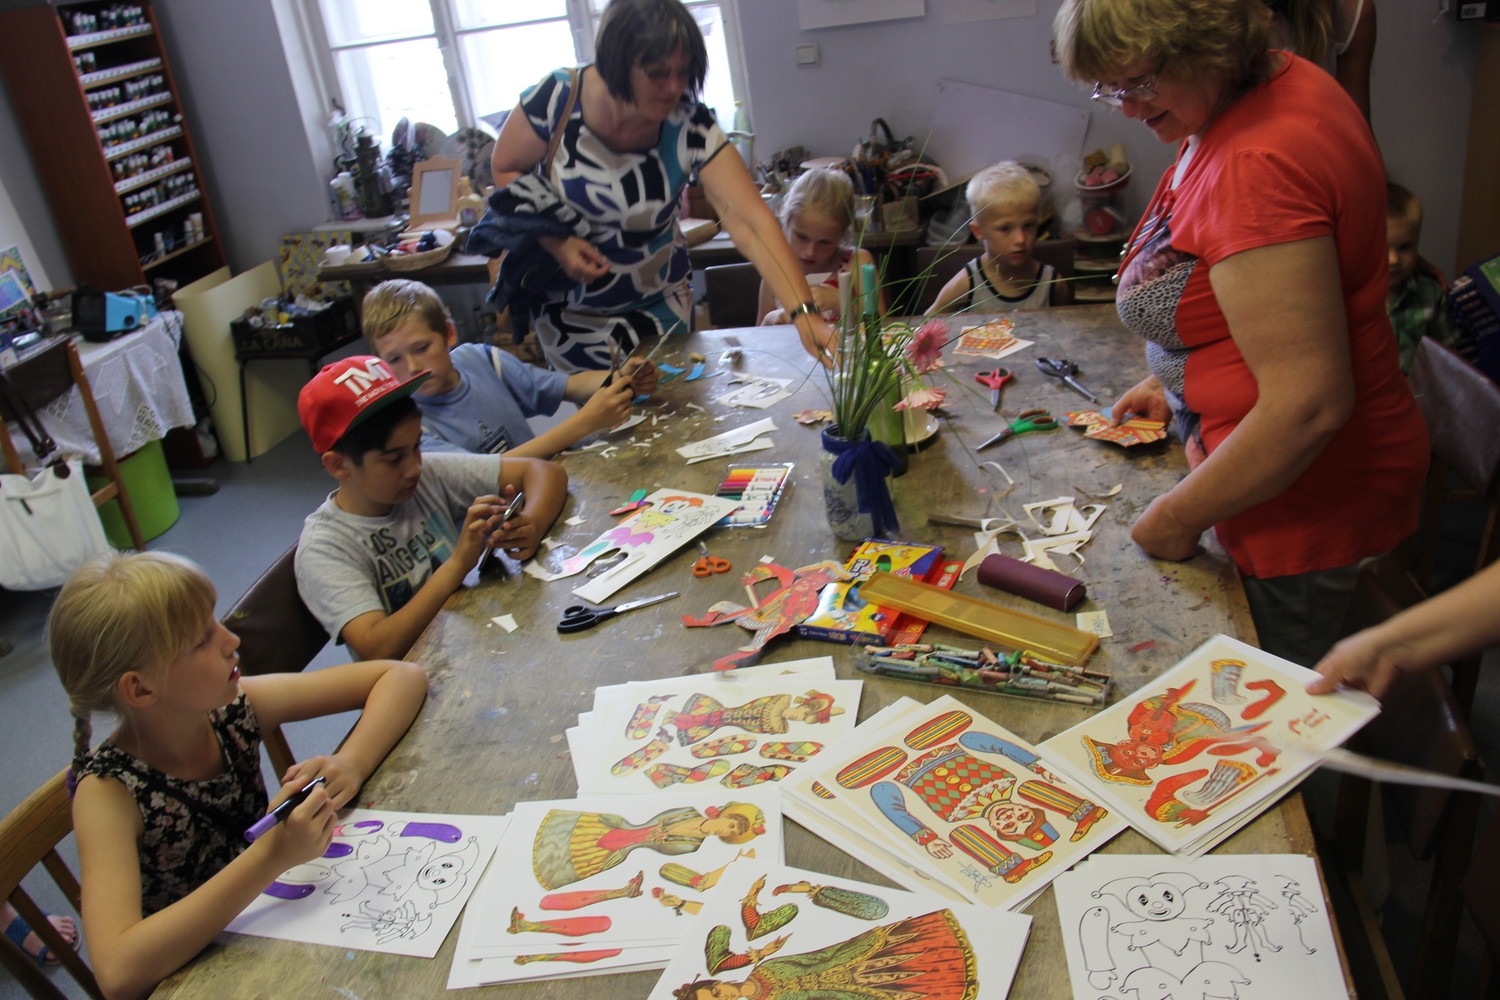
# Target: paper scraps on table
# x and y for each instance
(810, 417)
(668, 372)
(626, 424)
(990, 340)
(1096, 622)
(1136, 430)
(1065, 528)
(741, 439)
(507, 622)
(756, 391)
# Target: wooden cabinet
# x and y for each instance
(102, 118)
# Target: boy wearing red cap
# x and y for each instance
(378, 559)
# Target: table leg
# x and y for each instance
(244, 411)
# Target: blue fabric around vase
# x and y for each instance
(868, 463)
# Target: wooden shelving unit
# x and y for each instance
(88, 179)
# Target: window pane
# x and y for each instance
(484, 13)
(718, 88)
(505, 61)
(384, 83)
(350, 21)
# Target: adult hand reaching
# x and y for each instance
(579, 258)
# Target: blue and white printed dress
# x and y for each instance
(626, 205)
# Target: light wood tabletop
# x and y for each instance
(491, 732)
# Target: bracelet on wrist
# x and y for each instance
(808, 308)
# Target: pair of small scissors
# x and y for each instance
(1064, 369)
(511, 510)
(995, 379)
(707, 565)
(1025, 423)
(578, 617)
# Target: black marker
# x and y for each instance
(265, 823)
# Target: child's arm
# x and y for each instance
(768, 309)
(389, 691)
(956, 288)
(546, 487)
(1061, 293)
(132, 953)
(599, 407)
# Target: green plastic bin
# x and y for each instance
(150, 487)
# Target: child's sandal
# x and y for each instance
(17, 932)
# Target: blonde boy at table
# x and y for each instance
(816, 216)
(1005, 205)
(163, 808)
(377, 560)
(478, 397)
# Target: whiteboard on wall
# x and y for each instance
(970, 127)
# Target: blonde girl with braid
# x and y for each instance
(162, 804)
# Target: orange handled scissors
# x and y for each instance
(995, 379)
(707, 565)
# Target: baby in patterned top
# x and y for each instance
(161, 807)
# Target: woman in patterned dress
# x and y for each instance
(606, 212)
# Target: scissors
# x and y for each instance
(1025, 423)
(995, 379)
(513, 508)
(578, 617)
(707, 564)
(1064, 369)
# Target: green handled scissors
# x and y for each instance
(1025, 423)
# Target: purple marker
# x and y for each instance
(265, 823)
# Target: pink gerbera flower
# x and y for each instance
(926, 347)
(923, 397)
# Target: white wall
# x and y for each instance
(265, 179)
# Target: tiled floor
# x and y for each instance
(236, 532)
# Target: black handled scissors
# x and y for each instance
(1064, 369)
(578, 617)
(995, 378)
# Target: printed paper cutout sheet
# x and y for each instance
(1253, 927)
(774, 931)
(577, 885)
(1200, 751)
(708, 729)
(962, 799)
(390, 881)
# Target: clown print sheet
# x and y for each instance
(777, 931)
(1253, 927)
(959, 798)
(392, 882)
(1201, 750)
(715, 730)
(587, 885)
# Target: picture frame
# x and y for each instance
(434, 194)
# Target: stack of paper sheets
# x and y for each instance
(1200, 751)
(944, 800)
(1227, 926)
(774, 931)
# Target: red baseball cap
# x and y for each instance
(347, 392)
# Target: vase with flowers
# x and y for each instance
(878, 374)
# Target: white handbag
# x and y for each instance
(48, 527)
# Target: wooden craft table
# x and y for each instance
(491, 732)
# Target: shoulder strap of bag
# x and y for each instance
(13, 406)
(557, 133)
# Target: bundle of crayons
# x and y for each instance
(1021, 673)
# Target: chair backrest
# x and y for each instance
(41, 378)
(937, 264)
(29, 837)
(733, 293)
(277, 635)
(1461, 405)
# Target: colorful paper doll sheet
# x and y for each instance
(711, 730)
(1254, 927)
(966, 801)
(776, 931)
(580, 882)
(390, 881)
(1200, 751)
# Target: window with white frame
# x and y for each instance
(452, 63)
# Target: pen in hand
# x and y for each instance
(264, 825)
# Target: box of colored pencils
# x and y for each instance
(758, 488)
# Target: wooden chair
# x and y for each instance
(29, 837)
(1419, 725)
(936, 265)
(277, 635)
(1462, 408)
(39, 380)
(733, 292)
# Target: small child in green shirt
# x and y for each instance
(1416, 300)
